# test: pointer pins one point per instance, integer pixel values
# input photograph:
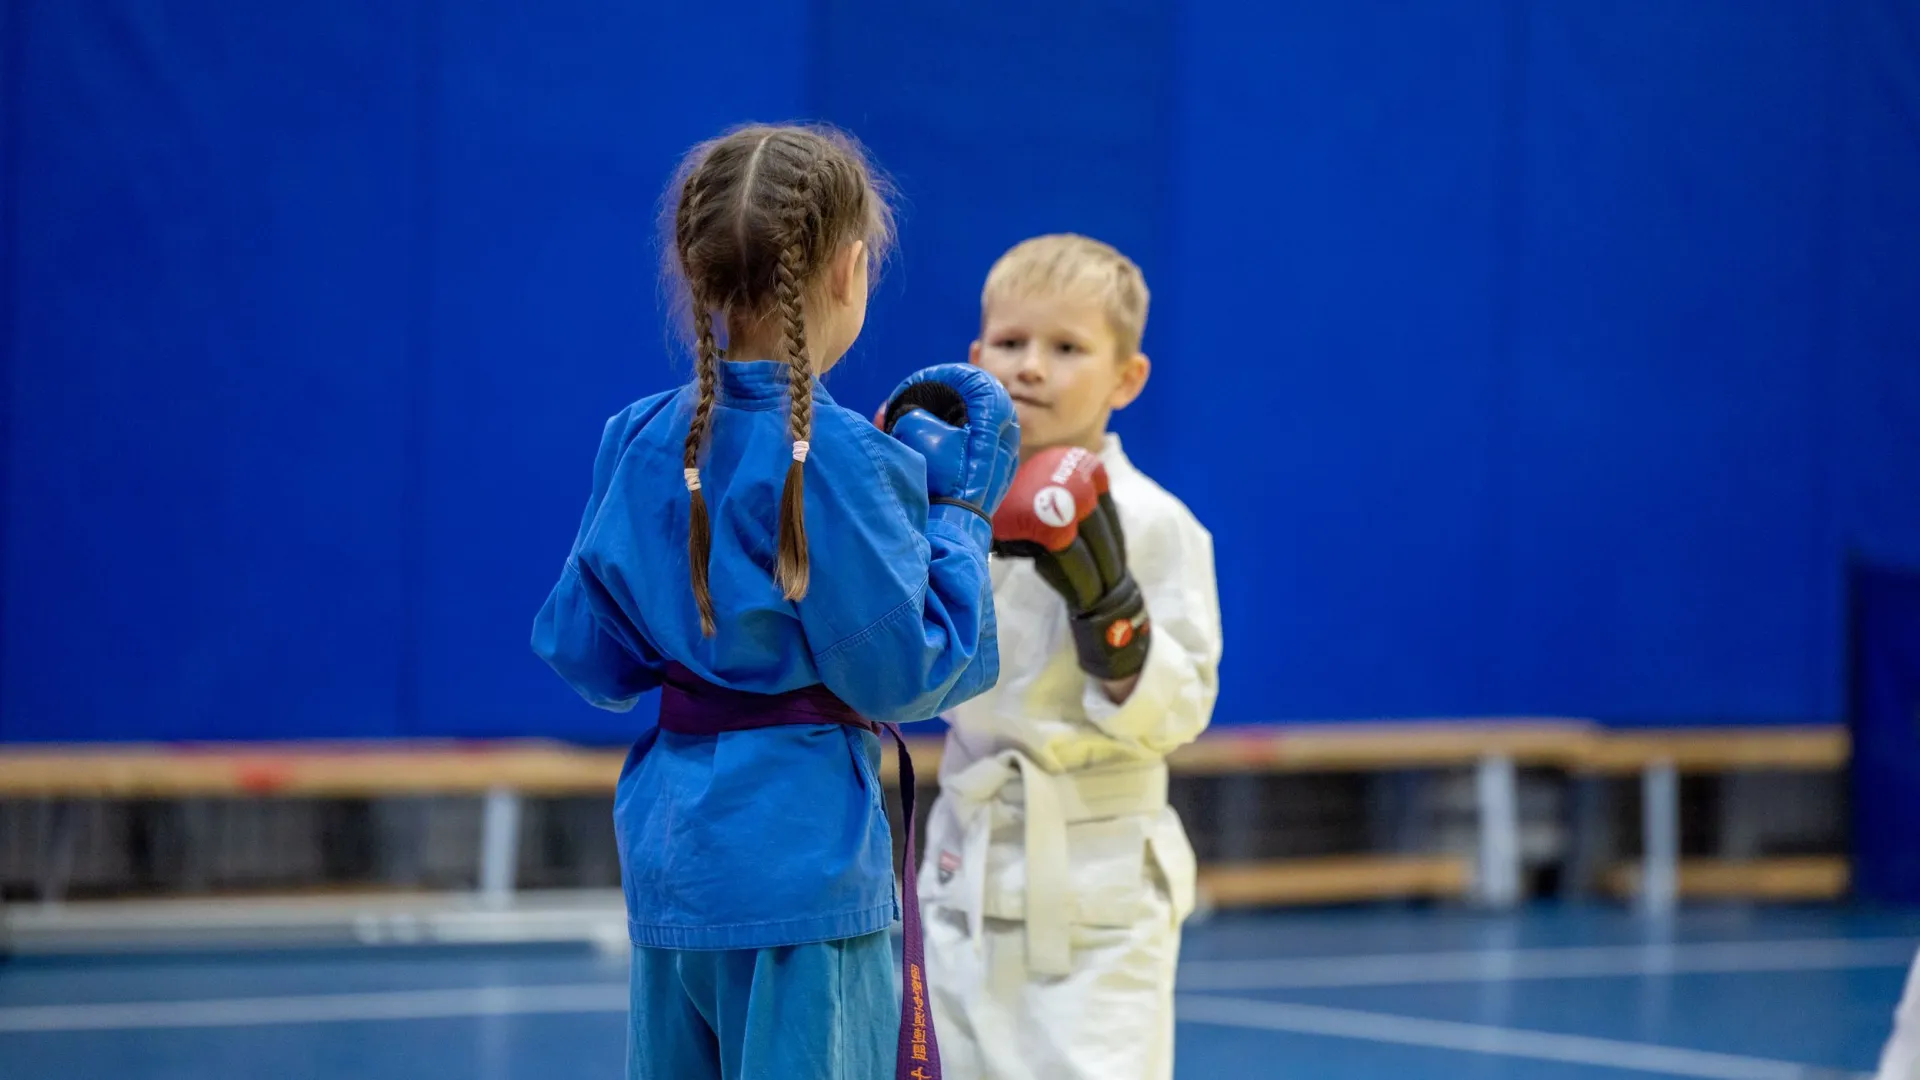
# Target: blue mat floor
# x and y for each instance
(1549, 994)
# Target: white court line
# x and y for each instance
(1322, 972)
(1484, 1039)
(1595, 962)
(320, 1008)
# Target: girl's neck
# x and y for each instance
(748, 351)
(765, 340)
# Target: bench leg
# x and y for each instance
(56, 868)
(197, 846)
(1395, 822)
(398, 838)
(499, 846)
(1239, 811)
(1590, 839)
(1740, 817)
(1496, 791)
(1660, 822)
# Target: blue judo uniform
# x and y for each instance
(757, 865)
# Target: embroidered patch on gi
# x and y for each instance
(949, 865)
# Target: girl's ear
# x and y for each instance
(845, 278)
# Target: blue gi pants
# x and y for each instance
(828, 1010)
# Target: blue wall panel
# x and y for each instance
(1885, 770)
(10, 50)
(1522, 358)
(1332, 394)
(553, 131)
(1876, 361)
(1666, 341)
(992, 138)
(207, 408)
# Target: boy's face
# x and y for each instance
(1061, 362)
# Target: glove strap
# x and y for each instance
(957, 516)
(1113, 637)
(942, 500)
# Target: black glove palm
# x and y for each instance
(1060, 515)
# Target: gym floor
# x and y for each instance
(1554, 993)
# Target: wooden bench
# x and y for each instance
(301, 770)
(503, 773)
(1659, 757)
(1494, 749)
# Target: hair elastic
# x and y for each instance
(693, 479)
(800, 448)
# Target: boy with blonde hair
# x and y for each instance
(1057, 877)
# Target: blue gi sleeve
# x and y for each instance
(900, 614)
(577, 631)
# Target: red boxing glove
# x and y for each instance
(1059, 514)
(1052, 494)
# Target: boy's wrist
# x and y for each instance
(1119, 690)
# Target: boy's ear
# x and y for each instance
(1133, 379)
(973, 353)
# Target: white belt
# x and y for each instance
(1053, 801)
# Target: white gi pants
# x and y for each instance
(1901, 1059)
(1053, 906)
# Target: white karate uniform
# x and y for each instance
(1901, 1058)
(1055, 876)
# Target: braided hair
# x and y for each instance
(757, 217)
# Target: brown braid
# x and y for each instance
(699, 531)
(758, 217)
(792, 569)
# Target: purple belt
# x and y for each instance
(689, 705)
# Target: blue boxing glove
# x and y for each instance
(961, 421)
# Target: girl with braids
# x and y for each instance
(795, 581)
